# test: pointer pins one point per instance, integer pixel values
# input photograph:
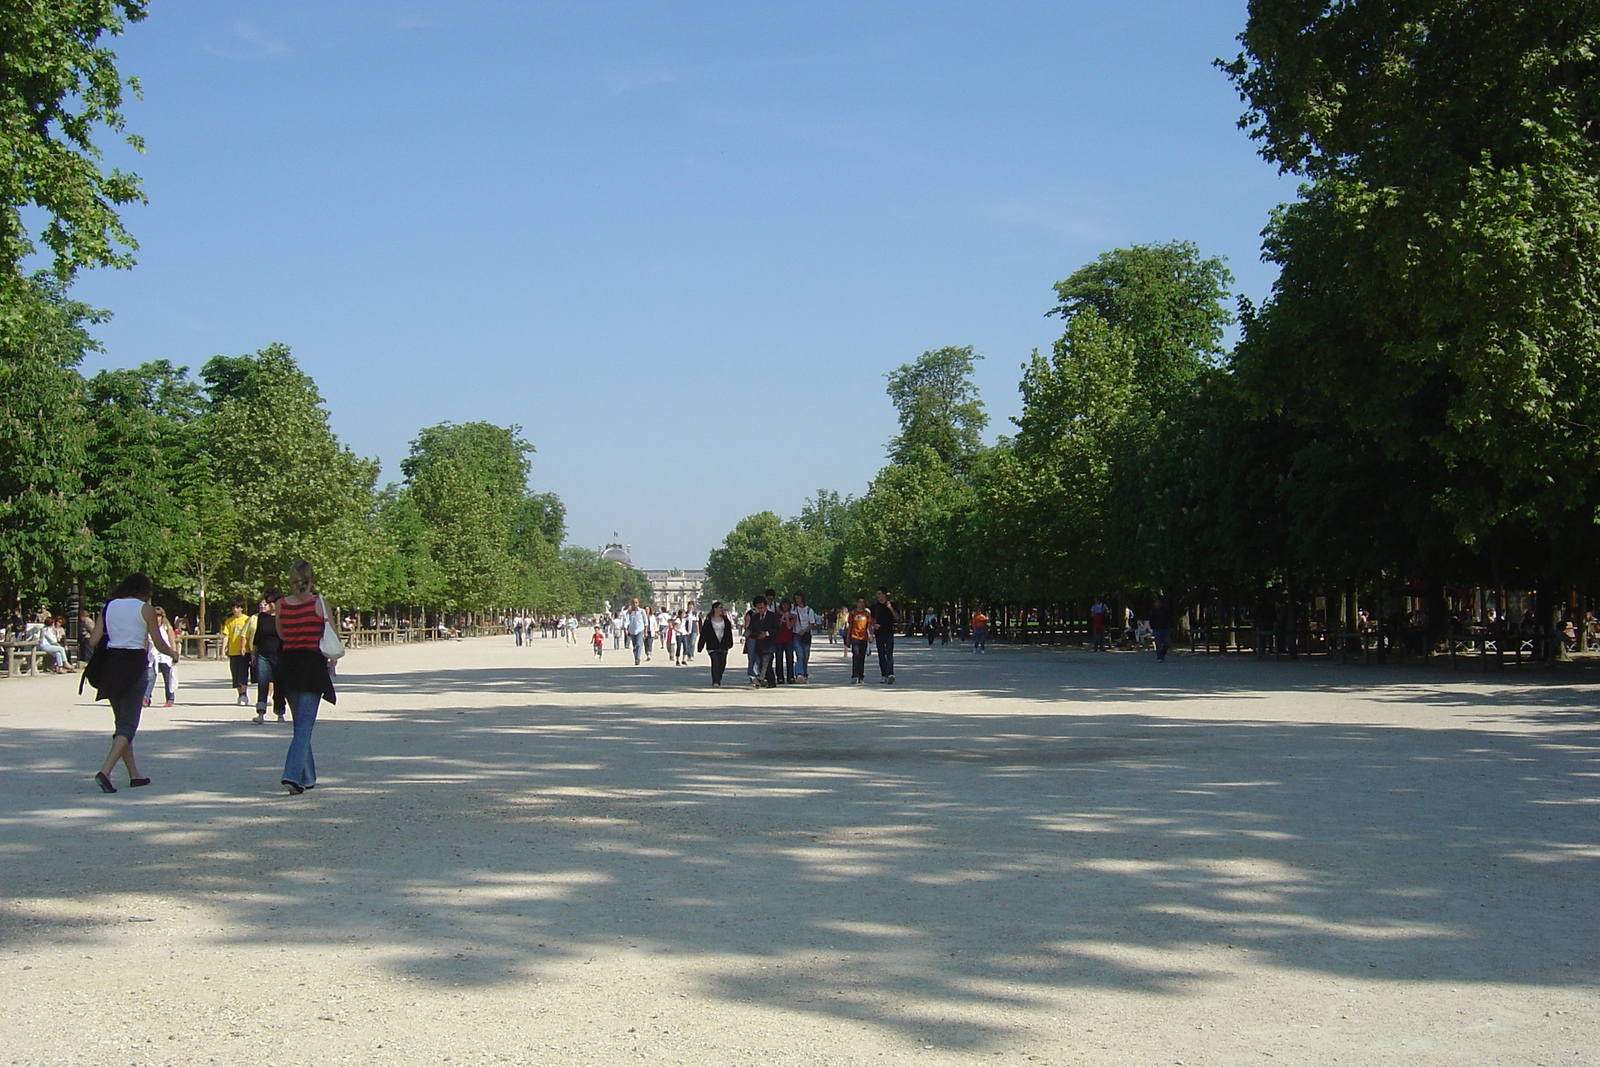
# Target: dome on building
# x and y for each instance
(618, 553)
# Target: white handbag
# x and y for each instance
(331, 646)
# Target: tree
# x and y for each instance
(938, 408)
(494, 456)
(300, 494)
(139, 422)
(761, 551)
(44, 540)
(58, 85)
(1167, 301)
(1439, 295)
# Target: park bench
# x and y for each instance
(23, 653)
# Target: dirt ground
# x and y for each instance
(522, 855)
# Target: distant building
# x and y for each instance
(617, 553)
(675, 589)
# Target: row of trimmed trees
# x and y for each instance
(1416, 406)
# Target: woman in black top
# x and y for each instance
(716, 638)
(264, 639)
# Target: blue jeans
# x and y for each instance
(300, 768)
(266, 668)
(1163, 642)
(168, 678)
(519, 637)
(802, 655)
(980, 638)
(885, 653)
(616, 640)
(636, 642)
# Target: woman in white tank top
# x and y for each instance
(128, 626)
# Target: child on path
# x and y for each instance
(599, 641)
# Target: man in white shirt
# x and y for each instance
(636, 622)
(691, 630)
(805, 621)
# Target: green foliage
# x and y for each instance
(298, 492)
(139, 422)
(1437, 309)
(601, 583)
(1166, 301)
(58, 85)
(43, 438)
(938, 407)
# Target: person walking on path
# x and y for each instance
(161, 663)
(128, 627)
(1098, 615)
(237, 648)
(636, 623)
(783, 658)
(805, 622)
(599, 642)
(885, 617)
(980, 631)
(264, 640)
(690, 630)
(1161, 628)
(858, 633)
(762, 632)
(716, 638)
(303, 672)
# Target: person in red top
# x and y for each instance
(599, 642)
(980, 632)
(303, 671)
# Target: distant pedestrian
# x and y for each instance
(762, 631)
(689, 632)
(716, 637)
(930, 625)
(303, 671)
(636, 624)
(128, 626)
(885, 617)
(980, 631)
(858, 635)
(1161, 628)
(161, 663)
(237, 648)
(805, 624)
(599, 642)
(1099, 614)
(267, 647)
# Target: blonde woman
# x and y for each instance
(303, 674)
(128, 626)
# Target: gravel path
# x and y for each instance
(524, 856)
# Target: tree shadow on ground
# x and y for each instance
(910, 867)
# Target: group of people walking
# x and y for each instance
(285, 645)
(777, 636)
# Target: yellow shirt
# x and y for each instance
(233, 629)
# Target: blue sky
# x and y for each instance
(679, 243)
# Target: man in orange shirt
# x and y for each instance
(858, 633)
(980, 632)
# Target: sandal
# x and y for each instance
(103, 782)
(294, 788)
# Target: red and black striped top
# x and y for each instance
(299, 624)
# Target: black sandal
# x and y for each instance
(103, 782)
(135, 783)
(294, 788)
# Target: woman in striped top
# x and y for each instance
(303, 674)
